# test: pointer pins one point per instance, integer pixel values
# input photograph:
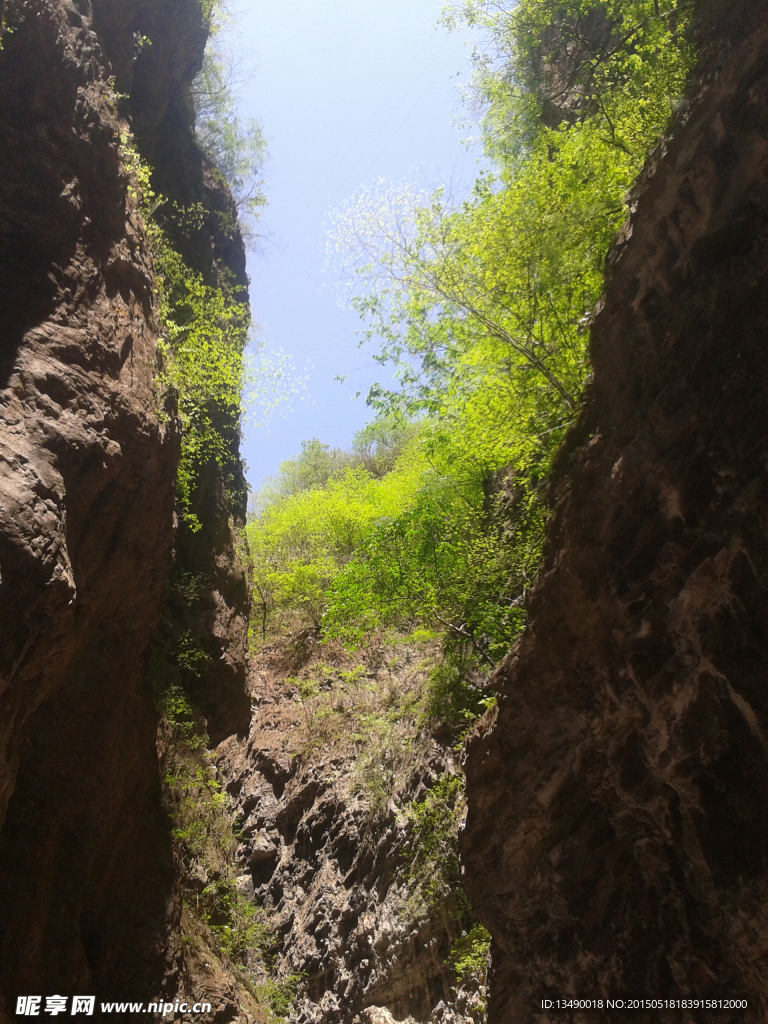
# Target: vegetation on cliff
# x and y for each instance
(204, 375)
(236, 146)
(206, 380)
(218, 918)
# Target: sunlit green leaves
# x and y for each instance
(623, 64)
(444, 561)
(483, 306)
(206, 373)
(301, 541)
(200, 366)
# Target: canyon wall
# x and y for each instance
(616, 842)
(87, 485)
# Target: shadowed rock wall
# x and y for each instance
(87, 482)
(617, 834)
(154, 77)
(85, 526)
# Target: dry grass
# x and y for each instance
(362, 708)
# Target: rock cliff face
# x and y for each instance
(617, 834)
(154, 76)
(87, 475)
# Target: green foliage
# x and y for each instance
(174, 705)
(278, 996)
(308, 688)
(189, 585)
(417, 546)
(200, 366)
(236, 146)
(436, 517)
(244, 929)
(451, 700)
(446, 560)
(621, 64)
(306, 533)
(213, 12)
(386, 751)
(203, 373)
(201, 825)
(314, 467)
(381, 443)
(376, 448)
(12, 15)
(483, 307)
(432, 859)
(188, 655)
(469, 956)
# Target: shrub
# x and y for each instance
(469, 956)
(433, 870)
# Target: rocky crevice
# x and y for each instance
(615, 841)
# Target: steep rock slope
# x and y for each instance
(154, 76)
(86, 510)
(321, 806)
(617, 834)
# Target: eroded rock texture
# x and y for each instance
(87, 477)
(331, 869)
(85, 532)
(617, 835)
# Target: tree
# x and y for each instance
(623, 64)
(483, 306)
(311, 521)
(236, 146)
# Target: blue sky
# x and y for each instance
(348, 91)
